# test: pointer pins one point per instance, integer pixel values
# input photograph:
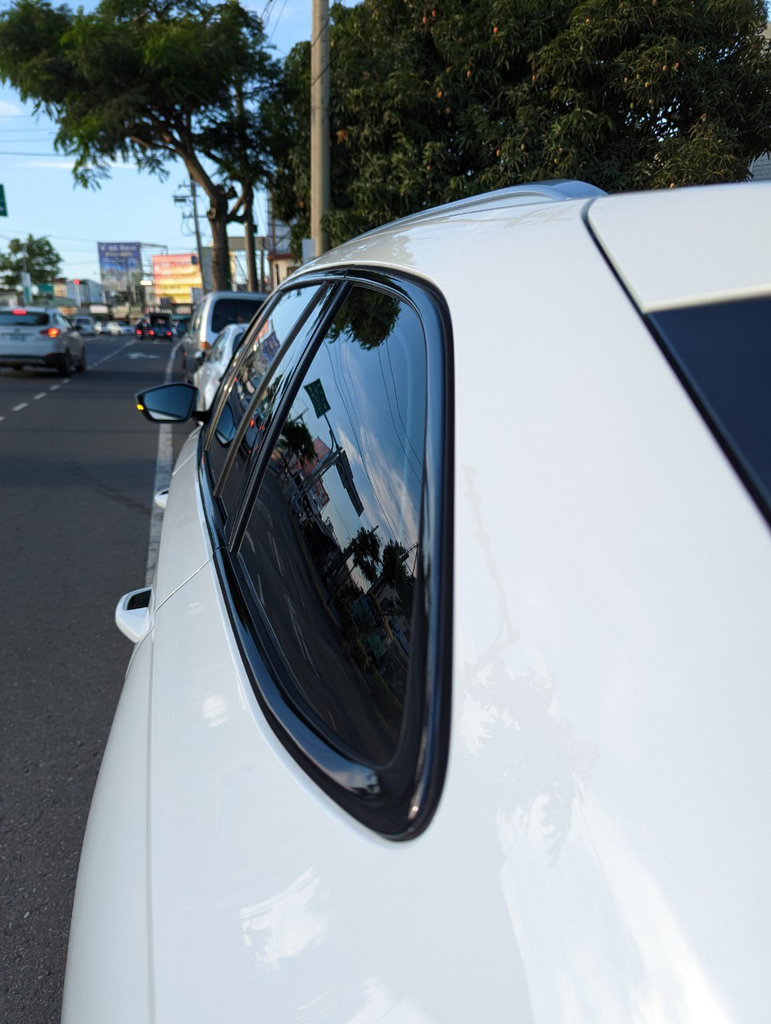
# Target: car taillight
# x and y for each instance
(52, 332)
(151, 333)
(205, 345)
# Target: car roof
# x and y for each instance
(670, 247)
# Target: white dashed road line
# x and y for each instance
(68, 380)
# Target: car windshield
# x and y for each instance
(22, 318)
(722, 352)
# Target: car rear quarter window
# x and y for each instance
(723, 355)
(332, 544)
(233, 311)
(11, 318)
(251, 390)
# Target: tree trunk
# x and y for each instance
(220, 255)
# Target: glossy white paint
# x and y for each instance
(669, 250)
(599, 854)
(109, 971)
(185, 544)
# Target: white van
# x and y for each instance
(215, 311)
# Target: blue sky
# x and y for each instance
(132, 206)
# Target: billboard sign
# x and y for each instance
(120, 265)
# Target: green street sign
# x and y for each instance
(316, 393)
(3, 207)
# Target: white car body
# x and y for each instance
(208, 375)
(37, 337)
(215, 311)
(117, 327)
(599, 851)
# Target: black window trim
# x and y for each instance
(397, 800)
(218, 536)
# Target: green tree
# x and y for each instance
(394, 573)
(437, 102)
(148, 81)
(35, 255)
(364, 550)
(297, 438)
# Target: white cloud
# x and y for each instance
(9, 109)
(67, 164)
(51, 165)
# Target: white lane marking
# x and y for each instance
(277, 556)
(164, 464)
(297, 630)
(67, 380)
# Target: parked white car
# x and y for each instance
(208, 375)
(450, 699)
(215, 311)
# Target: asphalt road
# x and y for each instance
(77, 473)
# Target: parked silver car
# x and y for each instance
(215, 311)
(36, 337)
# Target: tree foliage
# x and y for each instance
(148, 80)
(434, 102)
(35, 255)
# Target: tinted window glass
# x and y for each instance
(226, 451)
(723, 351)
(233, 311)
(218, 347)
(9, 318)
(331, 545)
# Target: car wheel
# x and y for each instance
(65, 366)
(82, 364)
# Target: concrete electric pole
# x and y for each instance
(321, 190)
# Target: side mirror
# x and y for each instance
(170, 403)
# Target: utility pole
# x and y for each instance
(199, 247)
(320, 178)
(251, 261)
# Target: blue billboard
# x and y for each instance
(120, 265)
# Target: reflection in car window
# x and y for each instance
(256, 358)
(331, 545)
